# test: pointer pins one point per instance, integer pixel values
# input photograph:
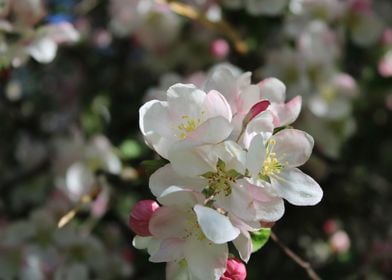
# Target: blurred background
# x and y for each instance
(74, 73)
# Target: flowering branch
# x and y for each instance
(302, 263)
(221, 25)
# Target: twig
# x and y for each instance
(302, 263)
(83, 201)
(221, 25)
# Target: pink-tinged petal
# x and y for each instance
(216, 106)
(256, 110)
(167, 222)
(256, 155)
(297, 187)
(174, 196)
(140, 216)
(177, 270)
(235, 270)
(251, 203)
(166, 177)
(273, 90)
(244, 226)
(287, 113)
(212, 131)
(248, 96)
(292, 147)
(170, 249)
(205, 260)
(243, 244)
(261, 124)
(385, 65)
(223, 81)
(188, 160)
(215, 226)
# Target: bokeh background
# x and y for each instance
(74, 73)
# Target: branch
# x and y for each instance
(86, 199)
(302, 263)
(222, 26)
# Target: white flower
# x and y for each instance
(274, 163)
(192, 232)
(220, 177)
(189, 115)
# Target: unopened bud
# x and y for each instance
(256, 110)
(140, 216)
(235, 270)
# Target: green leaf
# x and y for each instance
(130, 149)
(152, 165)
(260, 238)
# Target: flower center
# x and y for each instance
(271, 164)
(220, 180)
(188, 125)
(328, 94)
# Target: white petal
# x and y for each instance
(141, 242)
(170, 249)
(156, 126)
(185, 100)
(212, 131)
(297, 187)
(215, 226)
(251, 203)
(174, 196)
(43, 50)
(166, 177)
(232, 155)
(189, 161)
(223, 81)
(167, 222)
(206, 261)
(243, 244)
(177, 270)
(287, 113)
(292, 147)
(256, 155)
(262, 124)
(216, 105)
(79, 180)
(249, 96)
(272, 89)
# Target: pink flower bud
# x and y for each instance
(235, 270)
(340, 242)
(255, 110)
(140, 216)
(220, 48)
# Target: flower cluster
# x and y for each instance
(22, 35)
(233, 159)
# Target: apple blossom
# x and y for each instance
(228, 170)
(274, 163)
(189, 231)
(189, 114)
